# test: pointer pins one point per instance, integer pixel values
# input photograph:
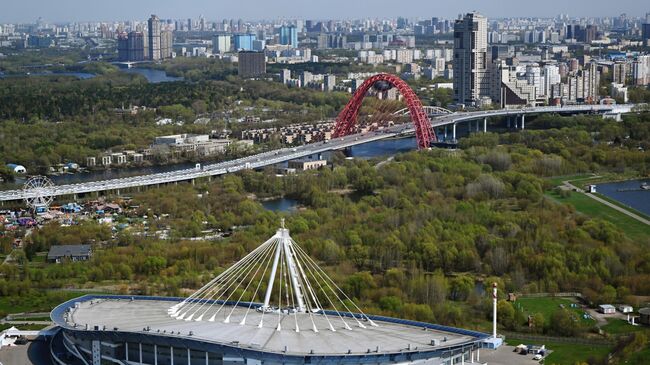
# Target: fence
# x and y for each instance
(543, 295)
(574, 340)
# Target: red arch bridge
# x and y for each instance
(347, 119)
(423, 127)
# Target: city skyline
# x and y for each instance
(76, 10)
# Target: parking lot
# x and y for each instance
(505, 355)
(33, 353)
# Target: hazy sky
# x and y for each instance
(73, 10)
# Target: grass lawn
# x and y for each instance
(640, 358)
(634, 229)
(27, 319)
(557, 180)
(568, 353)
(549, 305)
(616, 326)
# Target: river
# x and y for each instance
(153, 76)
(631, 196)
(368, 150)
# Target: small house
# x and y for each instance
(591, 188)
(606, 309)
(624, 308)
(72, 252)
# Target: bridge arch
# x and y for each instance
(347, 119)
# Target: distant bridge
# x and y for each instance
(447, 122)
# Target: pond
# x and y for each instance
(280, 205)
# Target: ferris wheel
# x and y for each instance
(38, 192)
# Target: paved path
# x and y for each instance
(609, 204)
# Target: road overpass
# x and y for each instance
(285, 154)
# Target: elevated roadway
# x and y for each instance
(286, 154)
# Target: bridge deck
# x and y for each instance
(285, 154)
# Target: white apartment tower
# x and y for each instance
(471, 77)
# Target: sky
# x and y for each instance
(23, 11)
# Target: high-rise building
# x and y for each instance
(251, 64)
(641, 70)
(131, 46)
(244, 42)
(154, 38)
(329, 82)
(289, 36)
(285, 76)
(551, 76)
(166, 41)
(619, 72)
(221, 43)
(471, 76)
(645, 33)
(123, 46)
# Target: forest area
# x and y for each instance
(416, 238)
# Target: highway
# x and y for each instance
(286, 154)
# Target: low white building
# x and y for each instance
(606, 309)
(624, 308)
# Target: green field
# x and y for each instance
(640, 358)
(634, 229)
(617, 326)
(548, 305)
(558, 180)
(567, 353)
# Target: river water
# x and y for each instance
(367, 150)
(152, 76)
(628, 193)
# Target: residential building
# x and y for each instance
(641, 70)
(645, 34)
(306, 164)
(471, 78)
(60, 253)
(244, 42)
(154, 35)
(619, 72)
(166, 42)
(251, 64)
(221, 43)
(619, 91)
(289, 36)
(329, 82)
